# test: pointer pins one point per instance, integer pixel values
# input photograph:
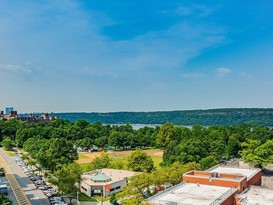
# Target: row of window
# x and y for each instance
(84, 188)
(116, 188)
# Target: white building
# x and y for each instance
(104, 181)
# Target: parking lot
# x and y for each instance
(32, 186)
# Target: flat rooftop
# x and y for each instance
(190, 194)
(258, 195)
(114, 174)
(238, 171)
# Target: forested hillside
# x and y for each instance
(211, 117)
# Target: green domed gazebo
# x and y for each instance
(100, 177)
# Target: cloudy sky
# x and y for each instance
(145, 55)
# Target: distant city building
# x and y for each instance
(6, 110)
(12, 114)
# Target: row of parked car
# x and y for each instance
(40, 184)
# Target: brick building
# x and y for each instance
(216, 186)
(225, 177)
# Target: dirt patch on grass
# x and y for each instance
(88, 157)
(155, 152)
(92, 155)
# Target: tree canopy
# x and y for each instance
(66, 177)
(139, 161)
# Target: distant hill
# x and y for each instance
(230, 116)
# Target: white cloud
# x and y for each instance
(198, 10)
(222, 71)
(16, 68)
(65, 36)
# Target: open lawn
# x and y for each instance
(84, 197)
(85, 158)
(85, 167)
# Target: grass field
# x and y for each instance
(85, 158)
(84, 197)
(84, 167)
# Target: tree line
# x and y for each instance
(212, 145)
(211, 117)
(55, 142)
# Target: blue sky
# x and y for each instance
(118, 55)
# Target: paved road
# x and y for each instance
(34, 196)
(11, 196)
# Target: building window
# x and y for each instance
(112, 189)
(118, 187)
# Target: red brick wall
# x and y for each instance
(241, 185)
(256, 179)
(237, 199)
(230, 200)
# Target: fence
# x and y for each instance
(224, 196)
(165, 192)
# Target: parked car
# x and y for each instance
(35, 178)
(60, 203)
(38, 182)
(43, 187)
(4, 189)
(53, 200)
(51, 194)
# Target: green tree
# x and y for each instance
(248, 152)
(118, 165)
(259, 155)
(103, 161)
(233, 146)
(7, 143)
(66, 177)
(139, 161)
(113, 198)
(264, 154)
(56, 151)
(5, 200)
(165, 135)
(208, 162)
(134, 191)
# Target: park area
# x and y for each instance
(116, 155)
